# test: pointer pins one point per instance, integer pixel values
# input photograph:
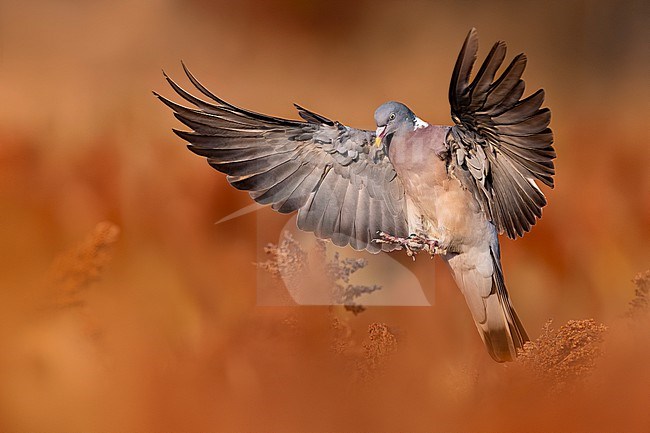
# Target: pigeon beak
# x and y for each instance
(379, 134)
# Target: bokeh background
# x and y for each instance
(169, 336)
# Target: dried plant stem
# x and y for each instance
(564, 355)
(73, 271)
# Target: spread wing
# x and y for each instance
(501, 144)
(344, 188)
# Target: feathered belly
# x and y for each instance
(440, 208)
(437, 205)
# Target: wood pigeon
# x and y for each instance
(448, 190)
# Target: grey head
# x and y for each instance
(392, 117)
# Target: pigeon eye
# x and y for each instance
(392, 116)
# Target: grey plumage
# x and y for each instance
(318, 167)
(513, 135)
(460, 185)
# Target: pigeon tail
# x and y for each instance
(487, 298)
(503, 333)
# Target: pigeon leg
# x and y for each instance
(412, 244)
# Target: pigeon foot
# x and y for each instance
(413, 244)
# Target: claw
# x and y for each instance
(413, 244)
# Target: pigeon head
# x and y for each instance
(391, 117)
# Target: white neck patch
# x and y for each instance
(419, 123)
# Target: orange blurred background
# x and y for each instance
(178, 343)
